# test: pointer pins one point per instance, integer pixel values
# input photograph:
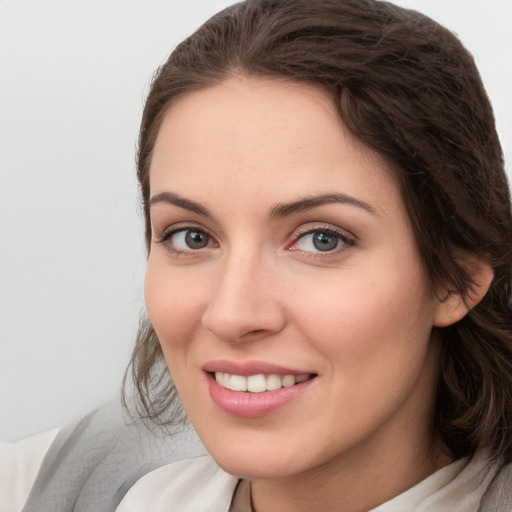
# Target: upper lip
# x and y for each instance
(247, 368)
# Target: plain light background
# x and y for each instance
(73, 77)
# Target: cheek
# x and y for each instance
(367, 318)
(174, 304)
(375, 338)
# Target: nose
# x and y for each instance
(245, 303)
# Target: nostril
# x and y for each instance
(255, 331)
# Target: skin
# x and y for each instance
(359, 317)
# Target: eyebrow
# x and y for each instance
(278, 211)
(175, 199)
(282, 210)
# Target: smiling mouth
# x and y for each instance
(259, 383)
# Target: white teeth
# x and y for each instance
(219, 377)
(273, 382)
(237, 383)
(258, 383)
(288, 380)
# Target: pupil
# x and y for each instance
(196, 239)
(325, 242)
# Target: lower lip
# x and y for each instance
(253, 405)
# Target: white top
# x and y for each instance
(19, 464)
(198, 484)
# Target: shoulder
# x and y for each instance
(19, 464)
(93, 463)
(189, 485)
(498, 497)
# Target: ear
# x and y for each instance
(454, 306)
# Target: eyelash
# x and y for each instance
(298, 235)
(165, 237)
(342, 236)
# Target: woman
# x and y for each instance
(329, 233)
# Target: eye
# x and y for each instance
(321, 241)
(186, 240)
(190, 239)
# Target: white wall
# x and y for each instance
(73, 75)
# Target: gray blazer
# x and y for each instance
(91, 465)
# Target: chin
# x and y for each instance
(258, 460)
(261, 469)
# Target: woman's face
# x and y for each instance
(283, 261)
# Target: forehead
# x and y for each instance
(248, 136)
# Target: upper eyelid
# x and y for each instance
(314, 227)
(298, 232)
(164, 240)
(348, 240)
(180, 226)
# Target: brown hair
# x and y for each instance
(407, 88)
